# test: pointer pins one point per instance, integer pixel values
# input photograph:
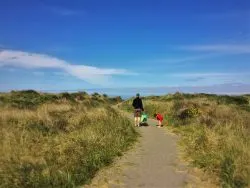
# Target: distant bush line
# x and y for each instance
(28, 99)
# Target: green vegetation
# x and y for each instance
(58, 140)
(30, 99)
(215, 132)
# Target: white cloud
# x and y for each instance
(38, 73)
(9, 69)
(65, 12)
(59, 49)
(190, 75)
(11, 58)
(61, 74)
(29, 60)
(212, 77)
(188, 59)
(242, 14)
(59, 10)
(207, 52)
(220, 48)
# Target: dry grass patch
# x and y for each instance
(215, 133)
(59, 145)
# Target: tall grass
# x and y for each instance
(59, 144)
(215, 132)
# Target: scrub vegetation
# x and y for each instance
(215, 132)
(58, 140)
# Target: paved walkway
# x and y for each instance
(151, 163)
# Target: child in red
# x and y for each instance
(159, 117)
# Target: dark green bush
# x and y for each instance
(238, 100)
(96, 94)
(115, 100)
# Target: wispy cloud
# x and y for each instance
(207, 52)
(10, 70)
(59, 49)
(212, 51)
(59, 10)
(228, 88)
(65, 12)
(219, 48)
(95, 75)
(188, 58)
(61, 74)
(212, 77)
(228, 15)
(38, 73)
(196, 79)
(206, 74)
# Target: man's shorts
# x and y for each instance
(137, 113)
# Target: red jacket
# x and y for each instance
(159, 117)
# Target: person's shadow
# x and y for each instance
(144, 124)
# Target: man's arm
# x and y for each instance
(133, 104)
(141, 105)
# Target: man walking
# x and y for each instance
(138, 108)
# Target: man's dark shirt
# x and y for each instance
(137, 103)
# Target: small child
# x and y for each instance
(159, 118)
(144, 119)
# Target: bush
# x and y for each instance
(66, 96)
(188, 113)
(26, 99)
(31, 99)
(216, 135)
(96, 94)
(238, 100)
(115, 100)
(59, 145)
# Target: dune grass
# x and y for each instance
(215, 132)
(59, 143)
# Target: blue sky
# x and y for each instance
(83, 44)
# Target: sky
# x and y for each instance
(55, 45)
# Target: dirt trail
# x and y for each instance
(151, 163)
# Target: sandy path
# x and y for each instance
(152, 162)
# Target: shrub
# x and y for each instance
(96, 94)
(59, 145)
(115, 100)
(238, 100)
(216, 135)
(31, 99)
(188, 113)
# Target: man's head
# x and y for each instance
(155, 115)
(137, 95)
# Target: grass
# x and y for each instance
(215, 132)
(58, 142)
(30, 99)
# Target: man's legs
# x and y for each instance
(137, 121)
(137, 117)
